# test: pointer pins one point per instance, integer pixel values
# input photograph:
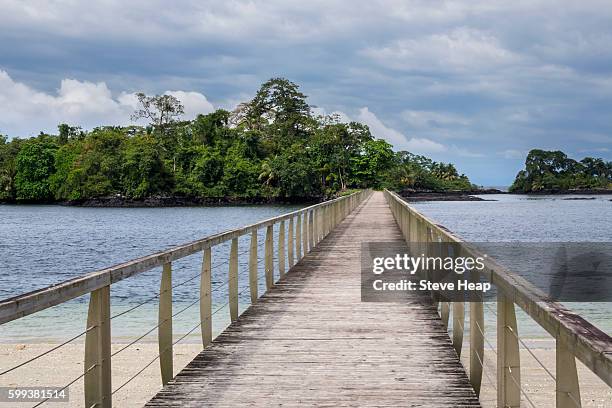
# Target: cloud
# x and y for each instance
(422, 145)
(396, 138)
(381, 131)
(429, 119)
(514, 154)
(595, 150)
(194, 102)
(463, 152)
(462, 49)
(488, 75)
(378, 128)
(26, 111)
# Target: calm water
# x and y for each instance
(532, 219)
(42, 245)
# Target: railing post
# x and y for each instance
(298, 237)
(269, 261)
(97, 380)
(317, 226)
(444, 303)
(290, 243)
(400, 219)
(326, 220)
(206, 298)
(336, 213)
(476, 340)
(233, 281)
(458, 324)
(164, 331)
(311, 230)
(281, 249)
(458, 306)
(508, 357)
(567, 386)
(305, 233)
(445, 313)
(253, 261)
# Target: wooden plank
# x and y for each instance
(164, 331)
(206, 298)
(269, 257)
(281, 249)
(290, 244)
(97, 380)
(310, 341)
(298, 238)
(508, 356)
(253, 262)
(232, 279)
(567, 384)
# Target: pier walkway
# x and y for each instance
(310, 341)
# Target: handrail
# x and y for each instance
(312, 224)
(35, 301)
(575, 336)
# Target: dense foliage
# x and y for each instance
(271, 147)
(554, 171)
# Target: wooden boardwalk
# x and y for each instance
(310, 341)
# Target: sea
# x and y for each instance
(41, 245)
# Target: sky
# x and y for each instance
(475, 83)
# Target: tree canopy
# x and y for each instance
(554, 171)
(271, 147)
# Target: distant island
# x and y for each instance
(553, 172)
(271, 148)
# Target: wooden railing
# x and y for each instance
(575, 337)
(305, 229)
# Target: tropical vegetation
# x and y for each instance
(554, 171)
(272, 147)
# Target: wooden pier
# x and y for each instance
(310, 341)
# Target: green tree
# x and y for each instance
(294, 175)
(553, 170)
(35, 163)
(65, 162)
(144, 173)
(371, 166)
(8, 167)
(97, 168)
(240, 174)
(278, 111)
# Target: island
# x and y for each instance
(272, 148)
(553, 172)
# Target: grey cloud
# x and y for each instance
(476, 77)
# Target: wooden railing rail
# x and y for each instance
(311, 224)
(575, 337)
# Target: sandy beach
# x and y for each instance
(62, 366)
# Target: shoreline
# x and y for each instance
(473, 195)
(169, 202)
(587, 191)
(408, 194)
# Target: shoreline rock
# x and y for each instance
(432, 195)
(151, 202)
(587, 191)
